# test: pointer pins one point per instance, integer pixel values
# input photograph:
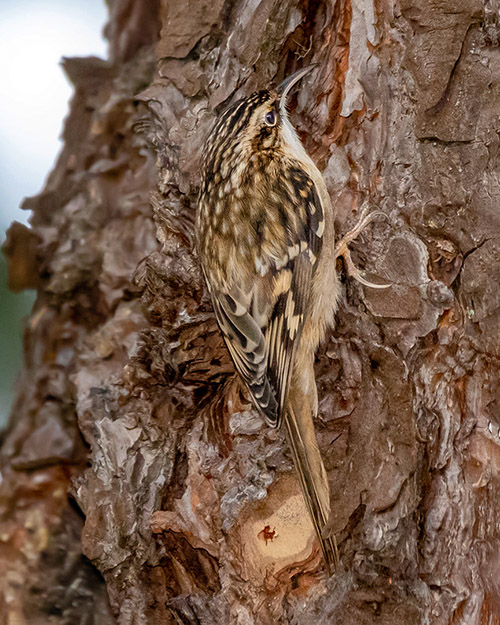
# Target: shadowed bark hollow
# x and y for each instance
(138, 485)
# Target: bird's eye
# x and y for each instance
(270, 118)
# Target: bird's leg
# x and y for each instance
(342, 248)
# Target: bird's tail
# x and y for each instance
(312, 474)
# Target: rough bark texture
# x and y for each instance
(132, 442)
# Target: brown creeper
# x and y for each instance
(265, 237)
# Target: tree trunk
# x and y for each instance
(134, 467)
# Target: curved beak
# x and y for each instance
(287, 85)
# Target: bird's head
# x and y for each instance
(253, 125)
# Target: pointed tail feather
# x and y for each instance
(313, 478)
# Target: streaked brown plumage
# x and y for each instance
(265, 237)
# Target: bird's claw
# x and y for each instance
(342, 248)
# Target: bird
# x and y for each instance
(265, 237)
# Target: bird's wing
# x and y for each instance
(262, 324)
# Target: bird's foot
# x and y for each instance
(342, 248)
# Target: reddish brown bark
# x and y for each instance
(131, 441)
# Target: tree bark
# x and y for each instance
(138, 483)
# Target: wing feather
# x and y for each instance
(262, 324)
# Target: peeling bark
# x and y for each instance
(138, 483)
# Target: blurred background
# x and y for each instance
(34, 35)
